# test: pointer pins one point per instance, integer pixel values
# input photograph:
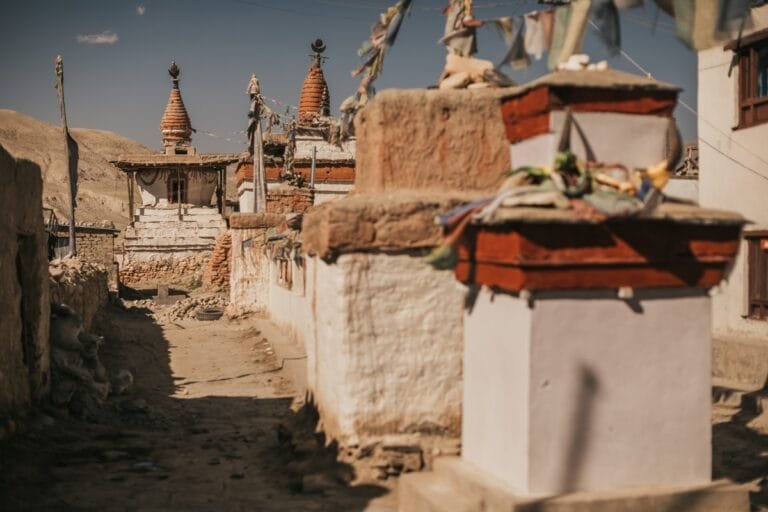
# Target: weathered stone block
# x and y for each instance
(385, 222)
(432, 141)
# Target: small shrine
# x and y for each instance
(176, 198)
(303, 155)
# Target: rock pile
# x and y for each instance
(79, 381)
(187, 308)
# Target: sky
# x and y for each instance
(117, 52)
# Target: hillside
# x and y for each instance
(102, 193)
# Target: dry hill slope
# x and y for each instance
(102, 193)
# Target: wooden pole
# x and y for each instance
(178, 190)
(71, 155)
(129, 177)
(261, 192)
(256, 145)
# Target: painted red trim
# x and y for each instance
(527, 115)
(587, 256)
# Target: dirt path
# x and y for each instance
(212, 423)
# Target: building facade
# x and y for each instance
(733, 175)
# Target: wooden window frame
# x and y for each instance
(184, 185)
(757, 275)
(753, 109)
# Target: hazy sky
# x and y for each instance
(116, 53)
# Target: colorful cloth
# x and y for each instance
(457, 37)
(547, 20)
(732, 16)
(511, 30)
(695, 23)
(562, 16)
(605, 16)
(534, 35)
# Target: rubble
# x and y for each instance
(187, 308)
(81, 285)
(79, 381)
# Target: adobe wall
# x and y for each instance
(431, 140)
(249, 277)
(385, 356)
(24, 304)
(383, 341)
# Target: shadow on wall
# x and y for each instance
(584, 405)
(24, 308)
(155, 450)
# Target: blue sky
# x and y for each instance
(123, 86)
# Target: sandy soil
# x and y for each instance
(212, 423)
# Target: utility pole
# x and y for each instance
(255, 146)
(71, 152)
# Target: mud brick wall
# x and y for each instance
(187, 271)
(24, 305)
(289, 200)
(216, 276)
(432, 141)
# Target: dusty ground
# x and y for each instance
(213, 423)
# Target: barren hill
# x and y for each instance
(102, 193)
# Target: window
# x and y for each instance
(752, 55)
(177, 190)
(757, 274)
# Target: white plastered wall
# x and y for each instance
(583, 391)
(733, 175)
(397, 354)
(249, 274)
(383, 337)
(606, 133)
(199, 191)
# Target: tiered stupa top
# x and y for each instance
(175, 125)
(315, 100)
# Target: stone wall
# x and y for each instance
(81, 285)
(24, 304)
(216, 275)
(187, 271)
(286, 199)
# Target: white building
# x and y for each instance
(733, 158)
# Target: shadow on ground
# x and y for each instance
(155, 450)
(740, 449)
